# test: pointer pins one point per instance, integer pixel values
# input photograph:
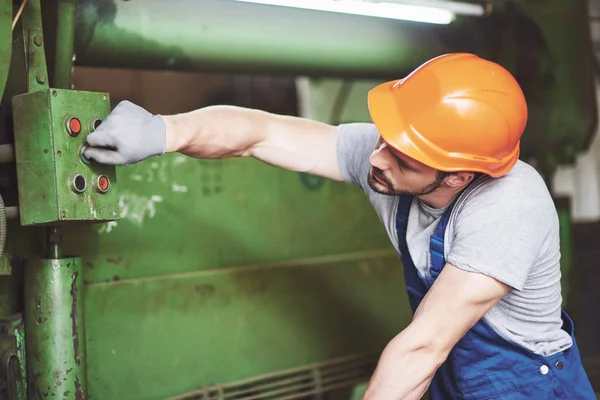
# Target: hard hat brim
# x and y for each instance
(391, 126)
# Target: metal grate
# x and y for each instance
(297, 383)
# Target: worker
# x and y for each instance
(475, 227)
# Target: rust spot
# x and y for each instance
(204, 290)
(69, 370)
(74, 330)
(79, 395)
(115, 261)
(66, 394)
(116, 278)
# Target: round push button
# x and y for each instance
(102, 184)
(74, 127)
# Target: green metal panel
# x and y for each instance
(49, 164)
(5, 41)
(200, 329)
(55, 329)
(191, 262)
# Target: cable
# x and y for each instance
(14, 23)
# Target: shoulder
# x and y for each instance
(362, 135)
(501, 227)
(523, 186)
(519, 196)
(355, 143)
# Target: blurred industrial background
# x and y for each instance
(232, 279)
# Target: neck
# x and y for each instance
(441, 197)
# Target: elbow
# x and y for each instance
(426, 345)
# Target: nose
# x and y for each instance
(380, 157)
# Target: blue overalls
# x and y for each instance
(483, 365)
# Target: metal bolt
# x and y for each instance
(40, 78)
(115, 213)
(105, 98)
(37, 39)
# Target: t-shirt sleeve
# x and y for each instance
(501, 230)
(355, 144)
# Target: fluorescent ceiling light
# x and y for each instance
(438, 12)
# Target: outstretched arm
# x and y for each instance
(456, 301)
(131, 134)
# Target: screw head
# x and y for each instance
(40, 78)
(37, 40)
(115, 213)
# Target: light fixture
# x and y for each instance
(430, 11)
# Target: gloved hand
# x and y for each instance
(129, 134)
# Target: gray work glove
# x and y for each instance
(129, 134)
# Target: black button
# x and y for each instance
(559, 365)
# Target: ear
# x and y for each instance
(459, 179)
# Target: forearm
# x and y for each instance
(216, 131)
(406, 367)
(227, 131)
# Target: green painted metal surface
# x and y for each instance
(210, 35)
(191, 262)
(55, 329)
(59, 186)
(5, 41)
(13, 365)
(65, 37)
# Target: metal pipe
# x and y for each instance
(65, 39)
(217, 36)
(55, 329)
(7, 153)
(12, 212)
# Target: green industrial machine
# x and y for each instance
(253, 282)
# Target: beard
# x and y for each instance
(381, 184)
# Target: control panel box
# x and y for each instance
(56, 183)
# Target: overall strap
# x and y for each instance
(411, 276)
(436, 243)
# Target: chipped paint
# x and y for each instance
(179, 159)
(107, 227)
(179, 188)
(136, 208)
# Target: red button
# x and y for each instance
(74, 126)
(103, 183)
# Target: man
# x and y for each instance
(476, 228)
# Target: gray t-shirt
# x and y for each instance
(506, 228)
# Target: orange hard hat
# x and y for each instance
(456, 112)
